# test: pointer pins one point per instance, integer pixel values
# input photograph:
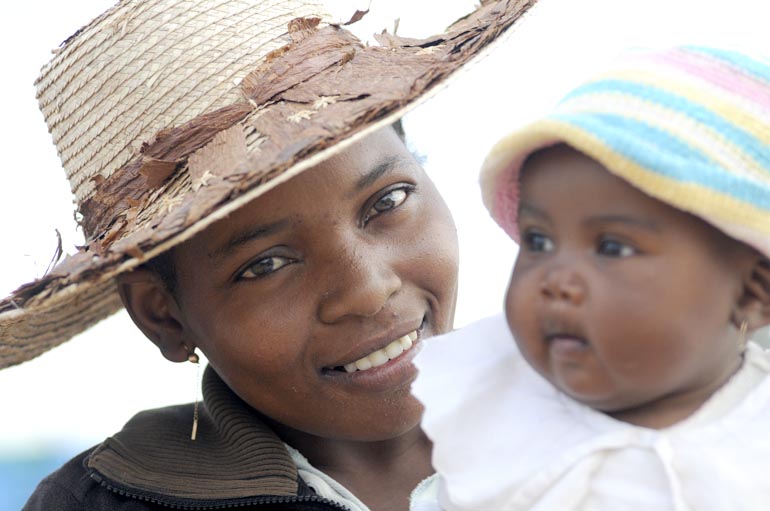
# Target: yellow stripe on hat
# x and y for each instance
(707, 140)
(733, 109)
(707, 203)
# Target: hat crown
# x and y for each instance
(147, 65)
(689, 126)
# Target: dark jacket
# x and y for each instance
(236, 461)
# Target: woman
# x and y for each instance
(242, 185)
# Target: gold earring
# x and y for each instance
(742, 336)
(193, 358)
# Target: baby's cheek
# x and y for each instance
(520, 311)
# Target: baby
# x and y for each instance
(642, 210)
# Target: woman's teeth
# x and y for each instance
(379, 357)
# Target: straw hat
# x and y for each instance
(170, 114)
(689, 126)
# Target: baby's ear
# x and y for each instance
(153, 309)
(755, 302)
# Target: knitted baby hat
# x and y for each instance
(689, 126)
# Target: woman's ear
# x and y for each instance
(754, 305)
(154, 310)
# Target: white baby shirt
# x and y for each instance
(506, 439)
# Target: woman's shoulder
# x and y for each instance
(74, 485)
(70, 488)
(148, 464)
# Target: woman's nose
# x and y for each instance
(563, 283)
(360, 284)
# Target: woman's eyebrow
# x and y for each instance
(379, 170)
(245, 236)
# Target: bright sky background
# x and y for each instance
(86, 389)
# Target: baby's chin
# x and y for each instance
(639, 412)
(607, 402)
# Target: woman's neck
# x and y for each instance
(382, 473)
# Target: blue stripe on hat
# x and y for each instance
(662, 153)
(751, 146)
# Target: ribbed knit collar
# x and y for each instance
(235, 456)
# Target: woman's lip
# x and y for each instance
(393, 350)
(371, 346)
(394, 373)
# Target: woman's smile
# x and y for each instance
(383, 369)
(377, 356)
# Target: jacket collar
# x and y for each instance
(235, 455)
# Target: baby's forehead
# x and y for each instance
(563, 168)
(562, 151)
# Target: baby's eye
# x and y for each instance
(615, 248)
(390, 200)
(537, 242)
(264, 266)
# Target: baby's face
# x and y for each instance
(619, 300)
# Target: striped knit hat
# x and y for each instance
(689, 126)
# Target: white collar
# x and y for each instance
(503, 434)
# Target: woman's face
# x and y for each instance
(307, 300)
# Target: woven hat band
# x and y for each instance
(147, 65)
(688, 126)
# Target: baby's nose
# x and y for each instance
(563, 283)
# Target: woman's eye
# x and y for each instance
(264, 266)
(390, 200)
(615, 248)
(537, 242)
